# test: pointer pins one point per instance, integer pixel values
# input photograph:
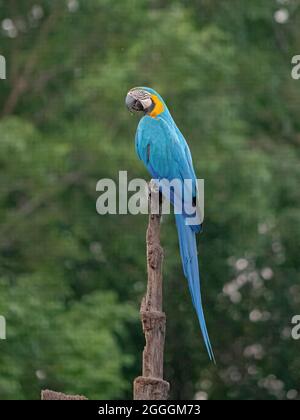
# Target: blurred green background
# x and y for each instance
(71, 281)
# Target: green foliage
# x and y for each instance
(54, 340)
(70, 280)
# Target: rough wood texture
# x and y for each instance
(51, 395)
(151, 385)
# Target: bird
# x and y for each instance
(162, 148)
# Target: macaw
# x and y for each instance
(165, 153)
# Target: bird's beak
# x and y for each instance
(133, 104)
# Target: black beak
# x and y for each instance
(133, 104)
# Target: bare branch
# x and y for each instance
(151, 385)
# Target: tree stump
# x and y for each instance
(151, 386)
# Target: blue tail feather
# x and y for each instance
(189, 256)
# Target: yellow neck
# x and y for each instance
(158, 108)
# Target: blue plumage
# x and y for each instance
(166, 155)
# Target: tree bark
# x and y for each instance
(151, 386)
(52, 395)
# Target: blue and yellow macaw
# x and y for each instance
(166, 155)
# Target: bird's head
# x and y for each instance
(146, 100)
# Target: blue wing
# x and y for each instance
(165, 154)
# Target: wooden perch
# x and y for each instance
(151, 385)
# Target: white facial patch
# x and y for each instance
(146, 103)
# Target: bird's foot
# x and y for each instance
(153, 187)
